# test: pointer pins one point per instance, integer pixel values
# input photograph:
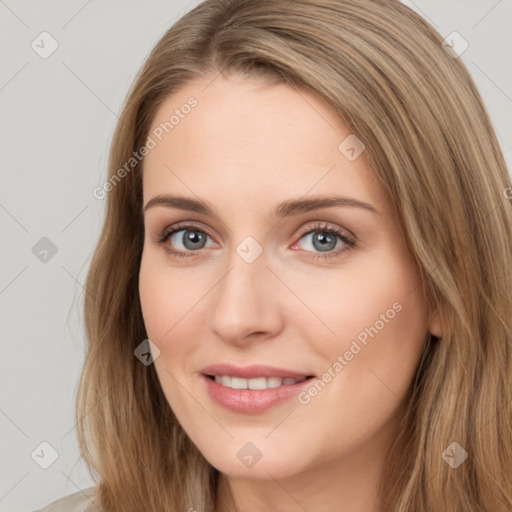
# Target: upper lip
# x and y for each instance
(252, 371)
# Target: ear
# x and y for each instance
(435, 326)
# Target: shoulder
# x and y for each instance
(81, 501)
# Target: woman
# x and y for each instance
(301, 297)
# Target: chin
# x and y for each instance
(245, 460)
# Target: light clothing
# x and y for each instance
(81, 501)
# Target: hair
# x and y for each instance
(383, 71)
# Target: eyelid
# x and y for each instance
(318, 225)
(183, 225)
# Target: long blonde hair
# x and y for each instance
(430, 141)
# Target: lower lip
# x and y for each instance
(252, 400)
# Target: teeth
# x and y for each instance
(274, 382)
(257, 383)
(237, 383)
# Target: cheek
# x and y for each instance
(374, 313)
(172, 303)
(165, 296)
(156, 302)
(165, 302)
(379, 321)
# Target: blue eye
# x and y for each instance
(325, 240)
(193, 239)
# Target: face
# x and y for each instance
(289, 315)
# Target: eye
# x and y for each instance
(325, 238)
(186, 237)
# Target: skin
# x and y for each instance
(245, 147)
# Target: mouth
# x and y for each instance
(232, 382)
(252, 389)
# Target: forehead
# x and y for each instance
(246, 138)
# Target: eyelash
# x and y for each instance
(171, 230)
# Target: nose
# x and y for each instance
(245, 303)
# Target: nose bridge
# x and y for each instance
(242, 302)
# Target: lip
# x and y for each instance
(251, 401)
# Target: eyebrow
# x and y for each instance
(283, 209)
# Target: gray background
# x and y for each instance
(57, 119)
